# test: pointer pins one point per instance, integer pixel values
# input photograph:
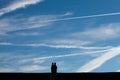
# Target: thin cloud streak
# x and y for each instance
(84, 17)
(37, 60)
(104, 32)
(12, 24)
(4, 70)
(26, 23)
(118, 71)
(32, 68)
(18, 4)
(99, 61)
(66, 46)
(55, 46)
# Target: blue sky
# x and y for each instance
(79, 35)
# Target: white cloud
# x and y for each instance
(104, 32)
(13, 24)
(32, 68)
(56, 46)
(6, 43)
(6, 69)
(99, 61)
(68, 46)
(118, 71)
(66, 55)
(18, 4)
(68, 14)
(69, 42)
(23, 59)
(24, 23)
(13, 60)
(89, 16)
(29, 33)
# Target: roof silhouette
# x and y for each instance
(60, 76)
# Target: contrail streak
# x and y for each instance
(62, 56)
(84, 17)
(99, 61)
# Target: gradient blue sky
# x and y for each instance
(79, 35)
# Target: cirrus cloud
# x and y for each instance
(18, 4)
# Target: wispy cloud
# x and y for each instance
(29, 34)
(68, 42)
(13, 62)
(68, 14)
(5, 43)
(118, 71)
(89, 16)
(33, 60)
(103, 32)
(55, 46)
(6, 69)
(32, 68)
(7, 59)
(99, 61)
(18, 4)
(10, 24)
(37, 60)
(65, 46)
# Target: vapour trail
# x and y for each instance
(99, 61)
(84, 17)
(62, 56)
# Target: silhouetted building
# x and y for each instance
(54, 75)
(53, 68)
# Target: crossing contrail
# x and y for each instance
(62, 56)
(85, 17)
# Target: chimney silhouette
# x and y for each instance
(53, 68)
(53, 75)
